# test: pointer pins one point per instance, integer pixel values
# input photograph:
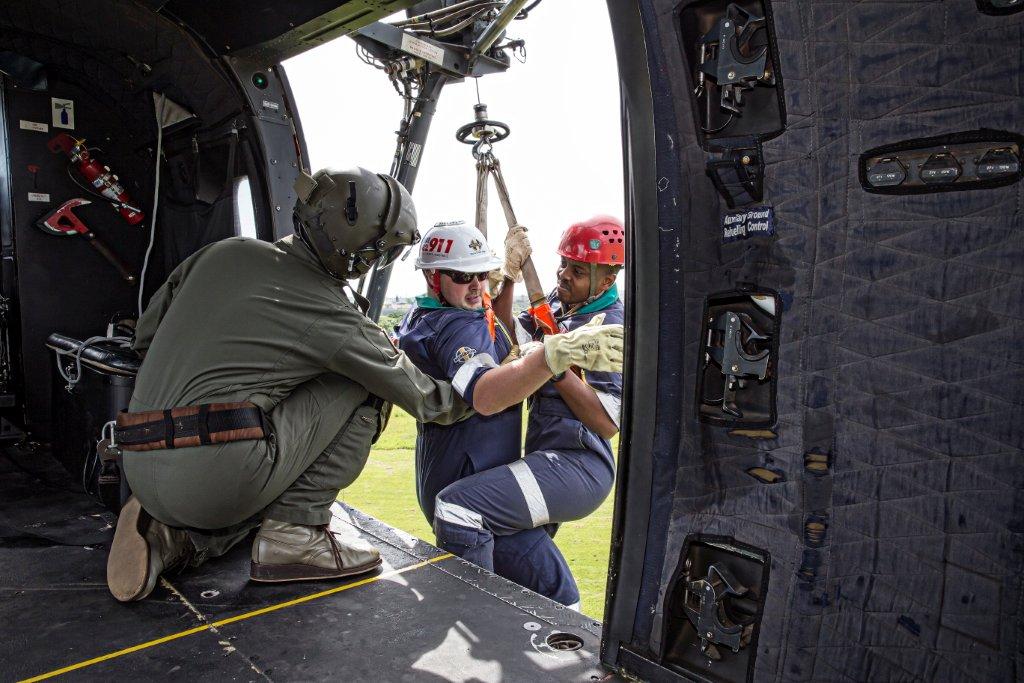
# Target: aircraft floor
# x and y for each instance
(425, 616)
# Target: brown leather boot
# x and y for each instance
(296, 552)
(142, 550)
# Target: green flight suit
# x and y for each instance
(246, 320)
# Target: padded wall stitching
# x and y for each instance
(834, 453)
(792, 585)
(795, 588)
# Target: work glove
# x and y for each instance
(494, 281)
(517, 250)
(593, 346)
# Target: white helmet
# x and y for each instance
(456, 245)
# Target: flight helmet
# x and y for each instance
(354, 218)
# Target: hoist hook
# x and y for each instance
(482, 130)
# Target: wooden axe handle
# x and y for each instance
(112, 258)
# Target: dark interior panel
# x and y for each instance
(63, 284)
(231, 25)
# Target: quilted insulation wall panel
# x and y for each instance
(901, 352)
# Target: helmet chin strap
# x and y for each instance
(435, 285)
(305, 238)
(300, 230)
(591, 297)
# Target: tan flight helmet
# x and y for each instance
(354, 218)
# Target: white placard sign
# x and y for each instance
(32, 125)
(421, 48)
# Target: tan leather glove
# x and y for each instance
(593, 346)
(495, 280)
(517, 250)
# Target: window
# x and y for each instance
(245, 214)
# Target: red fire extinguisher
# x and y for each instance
(97, 175)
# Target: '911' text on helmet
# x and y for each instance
(456, 245)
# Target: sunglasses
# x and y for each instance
(461, 278)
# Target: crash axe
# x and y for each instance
(63, 222)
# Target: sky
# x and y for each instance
(562, 163)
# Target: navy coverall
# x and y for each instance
(454, 344)
(566, 474)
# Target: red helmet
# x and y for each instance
(602, 239)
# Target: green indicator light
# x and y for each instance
(259, 79)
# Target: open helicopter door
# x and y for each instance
(821, 469)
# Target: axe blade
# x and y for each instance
(62, 221)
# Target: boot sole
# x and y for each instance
(128, 562)
(282, 573)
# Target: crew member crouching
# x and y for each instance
(262, 388)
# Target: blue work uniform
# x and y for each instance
(455, 344)
(568, 470)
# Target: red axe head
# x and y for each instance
(62, 221)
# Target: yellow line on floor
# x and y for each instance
(231, 620)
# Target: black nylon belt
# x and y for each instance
(169, 428)
(204, 425)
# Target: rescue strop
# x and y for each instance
(482, 133)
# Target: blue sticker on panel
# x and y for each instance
(758, 221)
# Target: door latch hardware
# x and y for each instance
(730, 334)
(705, 608)
(727, 57)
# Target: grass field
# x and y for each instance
(387, 490)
